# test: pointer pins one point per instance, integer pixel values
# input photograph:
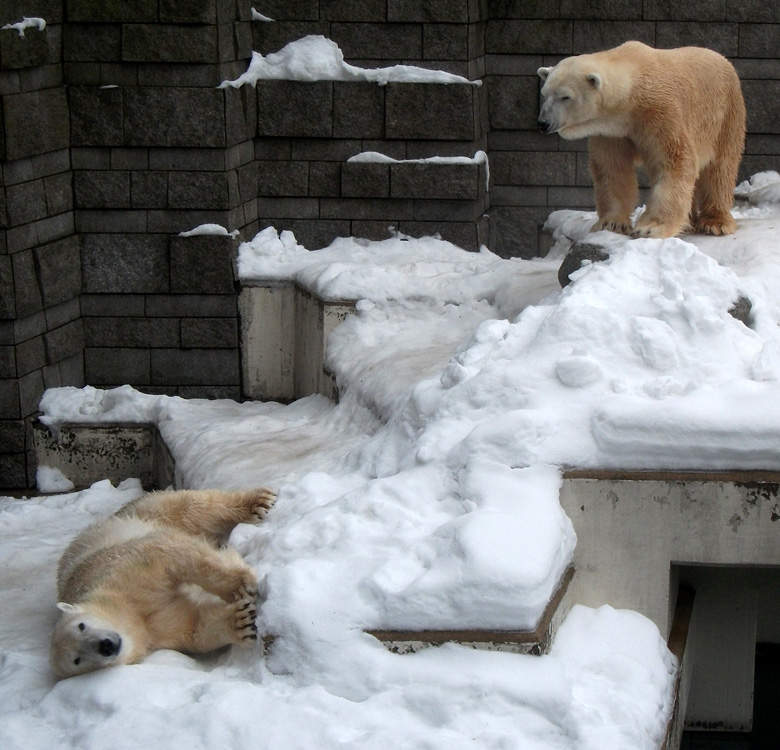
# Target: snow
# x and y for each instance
(26, 23)
(316, 58)
(428, 496)
(480, 157)
(216, 229)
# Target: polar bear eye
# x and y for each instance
(82, 626)
(565, 98)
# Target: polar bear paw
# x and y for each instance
(245, 614)
(262, 502)
(613, 225)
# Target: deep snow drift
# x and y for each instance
(429, 496)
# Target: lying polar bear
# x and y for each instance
(154, 576)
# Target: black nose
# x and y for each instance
(544, 126)
(109, 646)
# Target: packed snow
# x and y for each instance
(26, 23)
(316, 58)
(428, 496)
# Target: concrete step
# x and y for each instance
(535, 642)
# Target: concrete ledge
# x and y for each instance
(535, 642)
(87, 453)
(275, 365)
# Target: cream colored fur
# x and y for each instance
(679, 113)
(154, 576)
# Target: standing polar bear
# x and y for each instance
(154, 576)
(678, 112)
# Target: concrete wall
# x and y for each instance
(114, 138)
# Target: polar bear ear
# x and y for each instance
(65, 607)
(543, 73)
(595, 80)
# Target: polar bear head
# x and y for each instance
(579, 99)
(83, 642)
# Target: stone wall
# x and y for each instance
(41, 331)
(115, 137)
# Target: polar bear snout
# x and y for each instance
(110, 645)
(544, 126)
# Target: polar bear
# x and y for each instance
(154, 575)
(677, 112)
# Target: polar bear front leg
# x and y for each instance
(612, 163)
(672, 168)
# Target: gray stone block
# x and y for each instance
(325, 149)
(435, 181)
(367, 209)
(195, 367)
(462, 234)
(187, 159)
(379, 41)
(112, 305)
(169, 43)
(97, 116)
(540, 36)
(695, 10)
(129, 263)
(603, 10)
(762, 99)
(62, 313)
(12, 436)
(64, 342)
(59, 193)
(209, 333)
(358, 110)
(594, 36)
(354, 10)
(13, 471)
(174, 222)
(30, 391)
(200, 190)
(9, 399)
(104, 366)
(26, 51)
(365, 180)
(192, 305)
(25, 202)
(325, 178)
(133, 332)
(59, 270)
(449, 11)
(753, 11)
(118, 221)
(92, 42)
(531, 168)
(288, 208)
(294, 109)
(27, 291)
(202, 264)
(441, 112)
(515, 231)
(757, 40)
(176, 117)
(149, 189)
(445, 42)
(7, 294)
(97, 11)
(725, 38)
(513, 102)
(185, 11)
(281, 178)
(447, 211)
(25, 327)
(102, 189)
(7, 364)
(30, 355)
(36, 122)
